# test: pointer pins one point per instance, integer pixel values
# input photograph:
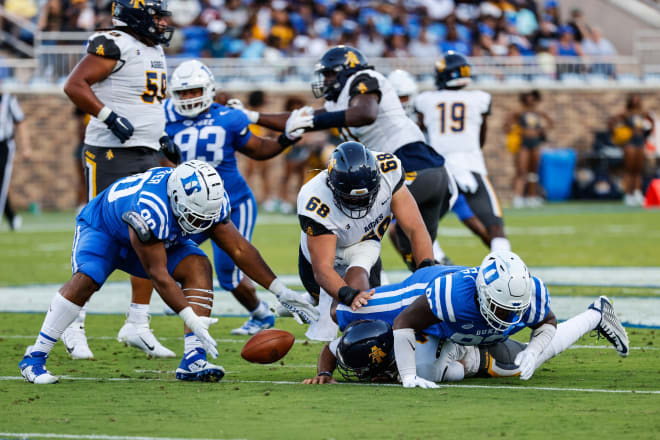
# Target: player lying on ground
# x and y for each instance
(494, 353)
(344, 212)
(213, 133)
(142, 225)
(362, 104)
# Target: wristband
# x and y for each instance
(427, 262)
(103, 114)
(285, 141)
(324, 373)
(277, 287)
(188, 315)
(347, 294)
(252, 116)
(330, 120)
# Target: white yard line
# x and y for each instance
(27, 435)
(286, 382)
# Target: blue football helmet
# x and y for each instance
(452, 71)
(140, 17)
(354, 179)
(343, 61)
(366, 351)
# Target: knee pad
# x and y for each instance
(199, 297)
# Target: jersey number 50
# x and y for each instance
(155, 88)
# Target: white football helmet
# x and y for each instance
(504, 289)
(405, 86)
(197, 196)
(192, 75)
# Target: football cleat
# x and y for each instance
(610, 326)
(254, 325)
(33, 368)
(75, 342)
(194, 367)
(142, 337)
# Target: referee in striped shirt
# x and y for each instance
(11, 116)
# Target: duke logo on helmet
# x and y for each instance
(191, 184)
(490, 273)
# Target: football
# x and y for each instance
(267, 346)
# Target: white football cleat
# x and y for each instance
(610, 326)
(33, 368)
(75, 342)
(142, 337)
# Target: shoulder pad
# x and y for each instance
(362, 84)
(104, 46)
(312, 227)
(135, 221)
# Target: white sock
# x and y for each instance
(500, 244)
(568, 333)
(138, 314)
(261, 311)
(80, 319)
(438, 253)
(191, 342)
(61, 313)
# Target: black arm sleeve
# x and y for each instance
(104, 47)
(364, 84)
(400, 183)
(312, 227)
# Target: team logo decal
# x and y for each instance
(137, 3)
(109, 155)
(377, 355)
(191, 184)
(351, 59)
(362, 88)
(440, 65)
(331, 165)
(100, 51)
(465, 71)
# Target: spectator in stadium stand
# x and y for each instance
(595, 44)
(370, 42)
(579, 25)
(217, 44)
(398, 44)
(632, 126)
(453, 42)
(11, 123)
(551, 12)
(566, 46)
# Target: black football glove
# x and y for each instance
(119, 126)
(170, 149)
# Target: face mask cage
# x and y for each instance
(356, 206)
(192, 107)
(190, 221)
(493, 312)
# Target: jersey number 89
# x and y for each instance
(387, 162)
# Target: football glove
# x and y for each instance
(299, 119)
(170, 149)
(526, 360)
(238, 105)
(413, 381)
(118, 125)
(199, 326)
(301, 309)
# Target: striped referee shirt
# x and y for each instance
(10, 114)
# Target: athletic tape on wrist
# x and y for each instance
(103, 114)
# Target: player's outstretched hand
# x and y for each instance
(199, 326)
(238, 105)
(413, 381)
(361, 299)
(299, 120)
(299, 306)
(526, 360)
(319, 380)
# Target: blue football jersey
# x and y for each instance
(213, 137)
(453, 299)
(390, 300)
(145, 193)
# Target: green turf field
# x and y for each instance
(588, 391)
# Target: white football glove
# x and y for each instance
(413, 381)
(199, 326)
(298, 304)
(526, 360)
(238, 105)
(299, 119)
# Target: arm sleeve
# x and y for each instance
(16, 111)
(103, 46)
(364, 83)
(312, 227)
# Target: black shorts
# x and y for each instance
(430, 189)
(306, 273)
(484, 203)
(104, 166)
(637, 141)
(531, 143)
